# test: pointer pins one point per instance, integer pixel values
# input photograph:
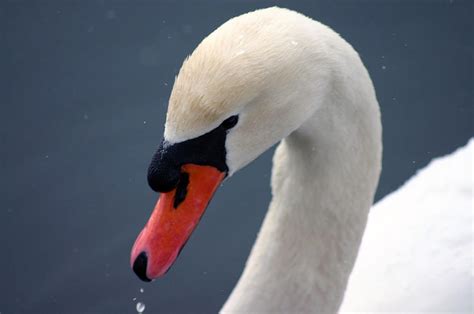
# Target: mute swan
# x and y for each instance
(262, 77)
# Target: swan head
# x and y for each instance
(245, 87)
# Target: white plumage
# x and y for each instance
(416, 253)
(289, 77)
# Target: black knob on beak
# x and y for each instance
(163, 172)
(162, 178)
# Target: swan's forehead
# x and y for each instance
(212, 84)
(191, 114)
(198, 105)
(190, 118)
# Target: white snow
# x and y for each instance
(416, 254)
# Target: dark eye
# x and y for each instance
(230, 122)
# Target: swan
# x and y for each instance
(269, 76)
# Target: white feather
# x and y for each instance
(289, 77)
(416, 253)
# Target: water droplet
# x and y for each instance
(166, 84)
(47, 156)
(384, 67)
(85, 116)
(140, 307)
(134, 299)
(144, 122)
(141, 290)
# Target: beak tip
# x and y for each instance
(140, 266)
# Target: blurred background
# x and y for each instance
(83, 95)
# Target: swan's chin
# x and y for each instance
(174, 218)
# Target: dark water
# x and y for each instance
(83, 95)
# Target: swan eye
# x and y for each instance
(230, 122)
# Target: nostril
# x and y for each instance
(139, 266)
(181, 189)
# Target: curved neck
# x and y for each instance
(323, 183)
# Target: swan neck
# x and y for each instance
(323, 182)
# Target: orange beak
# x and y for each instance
(174, 218)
